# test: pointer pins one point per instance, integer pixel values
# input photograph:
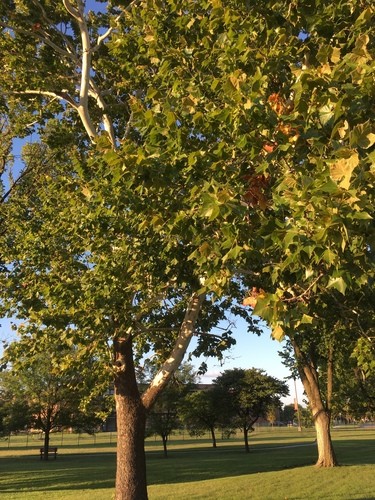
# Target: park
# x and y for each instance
(278, 467)
(167, 168)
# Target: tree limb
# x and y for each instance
(173, 362)
(83, 108)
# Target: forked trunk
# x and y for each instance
(326, 454)
(131, 418)
(131, 408)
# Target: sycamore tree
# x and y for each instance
(195, 150)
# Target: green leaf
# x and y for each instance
(329, 256)
(338, 283)
(363, 135)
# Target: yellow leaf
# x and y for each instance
(249, 301)
(278, 333)
(248, 104)
(86, 192)
(341, 170)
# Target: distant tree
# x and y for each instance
(53, 395)
(273, 414)
(15, 412)
(165, 416)
(288, 413)
(201, 412)
(246, 395)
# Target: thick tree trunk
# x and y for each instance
(326, 454)
(320, 413)
(131, 418)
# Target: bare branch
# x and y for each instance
(83, 108)
(105, 35)
(63, 96)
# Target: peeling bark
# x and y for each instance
(320, 412)
(173, 362)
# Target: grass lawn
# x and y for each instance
(280, 466)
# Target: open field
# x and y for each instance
(278, 467)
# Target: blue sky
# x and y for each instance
(252, 351)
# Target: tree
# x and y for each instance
(165, 416)
(52, 397)
(14, 408)
(201, 412)
(247, 395)
(201, 158)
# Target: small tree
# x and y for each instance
(246, 395)
(54, 396)
(201, 411)
(165, 415)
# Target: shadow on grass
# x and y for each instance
(68, 472)
(97, 470)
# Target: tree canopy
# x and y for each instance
(193, 155)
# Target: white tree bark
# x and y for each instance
(175, 358)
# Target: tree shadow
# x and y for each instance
(97, 470)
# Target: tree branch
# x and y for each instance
(105, 35)
(83, 108)
(107, 122)
(174, 360)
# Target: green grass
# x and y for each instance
(280, 466)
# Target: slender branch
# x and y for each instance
(105, 35)
(305, 292)
(83, 108)
(128, 126)
(63, 96)
(107, 122)
(23, 174)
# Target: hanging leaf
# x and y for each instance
(341, 170)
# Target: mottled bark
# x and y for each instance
(320, 412)
(326, 454)
(131, 418)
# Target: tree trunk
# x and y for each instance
(131, 419)
(165, 440)
(246, 438)
(326, 454)
(320, 413)
(47, 431)
(213, 437)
